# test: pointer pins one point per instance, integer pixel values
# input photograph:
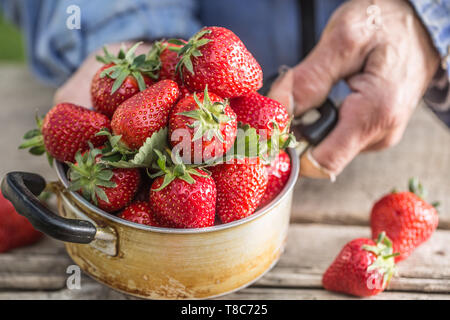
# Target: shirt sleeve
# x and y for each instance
(435, 15)
(56, 45)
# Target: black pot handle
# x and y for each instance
(22, 189)
(315, 132)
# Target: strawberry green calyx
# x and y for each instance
(247, 145)
(385, 262)
(34, 140)
(209, 116)
(280, 140)
(417, 188)
(88, 176)
(190, 50)
(128, 64)
(173, 169)
(116, 155)
(115, 149)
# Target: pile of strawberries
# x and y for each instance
(400, 222)
(176, 136)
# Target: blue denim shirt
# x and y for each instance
(270, 29)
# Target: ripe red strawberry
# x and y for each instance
(66, 129)
(407, 219)
(104, 99)
(120, 78)
(168, 54)
(240, 187)
(108, 189)
(260, 113)
(139, 212)
(15, 230)
(146, 112)
(209, 124)
(278, 174)
(183, 197)
(217, 58)
(362, 268)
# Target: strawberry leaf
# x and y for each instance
(190, 50)
(145, 155)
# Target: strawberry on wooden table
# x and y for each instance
(407, 219)
(139, 212)
(210, 123)
(217, 58)
(362, 268)
(15, 230)
(240, 187)
(120, 78)
(278, 173)
(182, 196)
(66, 128)
(108, 189)
(145, 113)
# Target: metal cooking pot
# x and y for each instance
(164, 263)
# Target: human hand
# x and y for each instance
(387, 65)
(77, 88)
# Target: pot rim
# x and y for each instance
(295, 168)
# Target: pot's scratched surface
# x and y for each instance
(39, 271)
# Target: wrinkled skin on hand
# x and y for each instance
(387, 65)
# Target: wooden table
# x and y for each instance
(324, 216)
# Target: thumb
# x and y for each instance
(281, 90)
(339, 54)
(348, 138)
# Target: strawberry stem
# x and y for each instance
(34, 140)
(384, 263)
(87, 176)
(174, 169)
(209, 116)
(190, 50)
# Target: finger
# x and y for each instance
(389, 140)
(281, 90)
(340, 53)
(348, 138)
(313, 78)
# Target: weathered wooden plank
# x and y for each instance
(21, 96)
(97, 291)
(424, 152)
(90, 291)
(293, 278)
(45, 246)
(317, 294)
(32, 281)
(33, 263)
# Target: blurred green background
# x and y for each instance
(11, 42)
